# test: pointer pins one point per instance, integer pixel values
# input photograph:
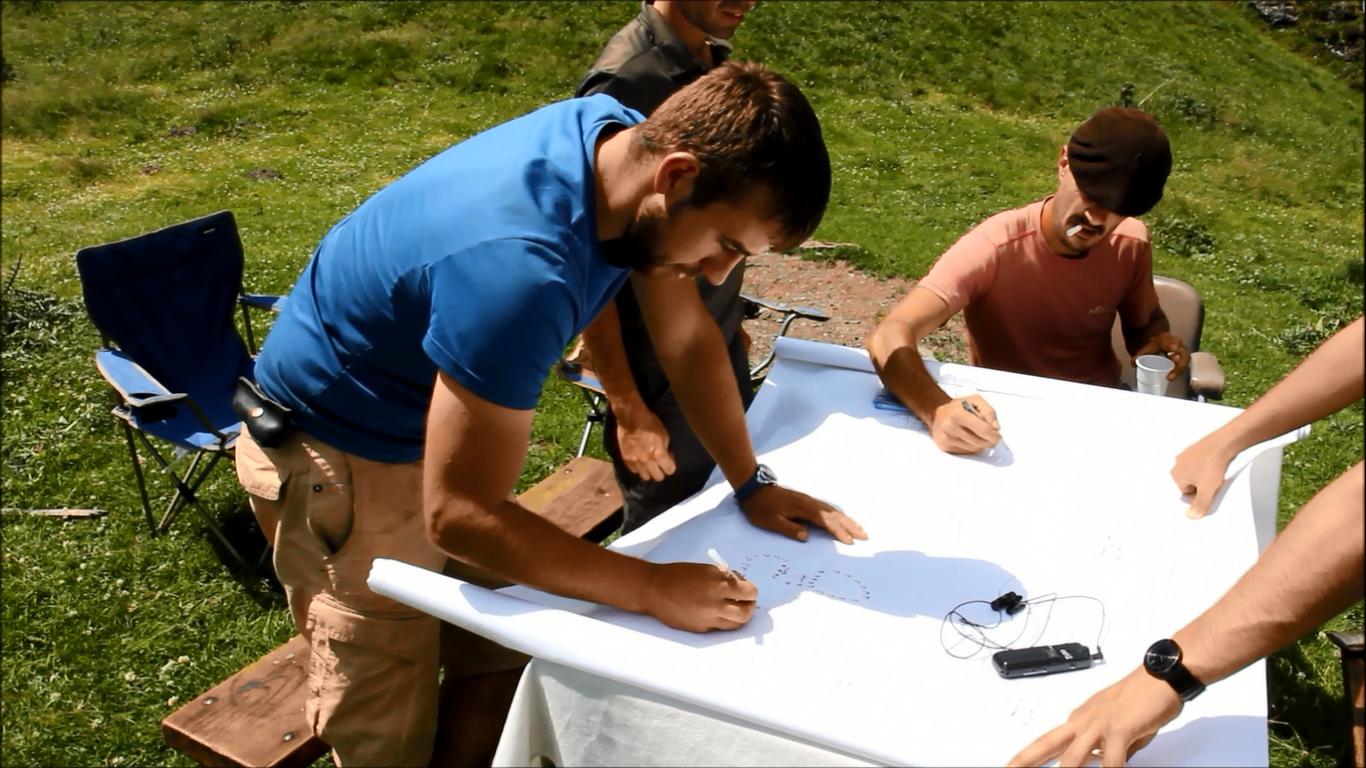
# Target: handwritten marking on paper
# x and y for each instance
(1111, 549)
(1023, 712)
(826, 582)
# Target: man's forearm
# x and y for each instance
(704, 383)
(516, 544)
(1135, 338)
(602, 338)
(1308, 574)
(896, 357)
(1329, 379)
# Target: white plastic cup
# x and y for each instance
(1151, 373)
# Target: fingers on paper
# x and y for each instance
(779, 524)
(839, 525)
(1046, 747)
(1082, 750)
(852, 525)
(834, 522)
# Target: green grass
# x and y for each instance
(936, 115)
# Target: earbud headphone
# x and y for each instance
(1008, 604)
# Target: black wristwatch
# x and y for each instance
(762, 476)
(1163, 661)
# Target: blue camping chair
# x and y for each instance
(163, 303)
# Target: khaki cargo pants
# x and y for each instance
(373, 670)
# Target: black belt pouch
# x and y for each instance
(266, 420)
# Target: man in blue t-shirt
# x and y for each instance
(414, 344)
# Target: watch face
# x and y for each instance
(1162, 657)
(765, 475)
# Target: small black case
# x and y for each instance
(1042, 660)
(266, 420)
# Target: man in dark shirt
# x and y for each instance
(658, 459)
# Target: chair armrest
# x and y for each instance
(576, 374)
(147, 398)
(134, 384)
(262, 301)
(799, 310)
(1349, 643)
(1207, 378)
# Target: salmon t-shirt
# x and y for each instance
(1030, 310)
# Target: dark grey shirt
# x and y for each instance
(641, 66)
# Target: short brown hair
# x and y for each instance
(748, 126)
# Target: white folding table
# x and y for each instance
(847, 658)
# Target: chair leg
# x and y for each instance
(193, 481)
(583, 439)
(189, 496)
(597, 411)
(137, 472)
(265, 555)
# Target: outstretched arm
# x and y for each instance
(695, 359)
(1330, 378)
(473, 454)
(1310, 572)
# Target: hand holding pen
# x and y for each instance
(698, 596)
(965, 425)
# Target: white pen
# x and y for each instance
(718, 560)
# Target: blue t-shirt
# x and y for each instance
(482, 261)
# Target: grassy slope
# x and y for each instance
(937, 115)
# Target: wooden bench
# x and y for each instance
(1352, 651)
(256, 717)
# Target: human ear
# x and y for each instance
(675, 174)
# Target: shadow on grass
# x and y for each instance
(257, 575)
(1298, 707)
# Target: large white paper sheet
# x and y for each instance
(846, 647)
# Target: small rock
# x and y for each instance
(1343, 11)
(1277, 13)
(263, 173)
(183, 130)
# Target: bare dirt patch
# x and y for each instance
(855, 301)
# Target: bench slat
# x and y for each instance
(254, 718)
(579, 497)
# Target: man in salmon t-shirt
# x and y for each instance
(1040, 286)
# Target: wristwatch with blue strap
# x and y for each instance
(762, 476)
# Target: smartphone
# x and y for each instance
(1043, 660)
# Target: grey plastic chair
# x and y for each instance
(1204, 379)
